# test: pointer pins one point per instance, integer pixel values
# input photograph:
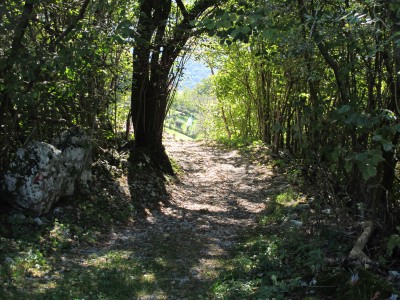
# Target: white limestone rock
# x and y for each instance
(76, 155)
(36, 177)
(42, 173)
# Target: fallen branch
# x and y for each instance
(357, 253)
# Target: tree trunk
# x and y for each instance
(8, 113)
(149, 98)
(159, 42)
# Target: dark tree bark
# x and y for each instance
(158, 44)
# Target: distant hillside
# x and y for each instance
(194, 72)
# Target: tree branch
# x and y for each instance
(22, 25)
(38, 68)
(340, 76)
(183, 30)
(201, 6)
(71, 26)
(183, 9)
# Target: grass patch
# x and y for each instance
(178, 171)
(177, 135)
(288, 197)
(113, 275)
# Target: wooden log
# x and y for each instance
(357, 253)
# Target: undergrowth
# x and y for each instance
(32, 249)
(289, 262)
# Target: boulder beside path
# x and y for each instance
(41, 173)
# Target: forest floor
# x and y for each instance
(229, 226)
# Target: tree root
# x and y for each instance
(357, 253)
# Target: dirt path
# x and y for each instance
(219, 196)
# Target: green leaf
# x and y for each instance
(363, 120)
(70, 74)
(335, 154)
(124, 28)
(348, 165)
(361, 156)
(388, 147)
(396, 127)
(245, 29)
(344, 109)
(268, 34)
(394, 241)
(254, 19)
(367, 170)
(210, 25)
(375, 157)
(377, 138)
(352, 119)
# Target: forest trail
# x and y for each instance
(219, 197)
(177, 250)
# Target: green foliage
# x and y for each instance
(282, 261)
(267, 266)
(65, 68)
(303, 77)
(286, 197)
(393, 242)
(112, 275)
(188, 112)
(60, 236)
(31, 263)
